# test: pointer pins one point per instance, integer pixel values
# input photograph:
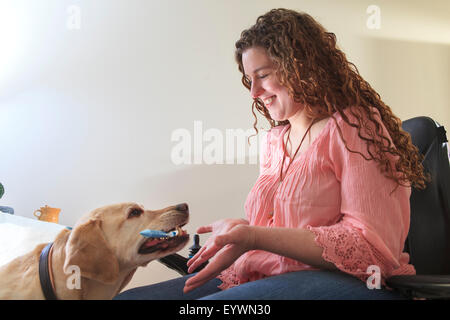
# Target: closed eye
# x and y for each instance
(135, 212)
(259, 77)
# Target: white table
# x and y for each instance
(20, 235)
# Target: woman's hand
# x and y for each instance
(230, 239)
(209, 249)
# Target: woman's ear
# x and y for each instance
(88, 249)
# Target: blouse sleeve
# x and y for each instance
(374, 224)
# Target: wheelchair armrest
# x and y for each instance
(422, 286)
(175, 262)
(179, 263)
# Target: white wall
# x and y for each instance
(86, 115)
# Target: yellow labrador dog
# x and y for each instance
(105, 246)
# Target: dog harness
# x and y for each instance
(44, 273)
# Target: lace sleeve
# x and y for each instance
(229, 278)
(350, 252)
(347, 250)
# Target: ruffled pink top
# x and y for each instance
(338, 195)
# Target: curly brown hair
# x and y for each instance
(317, 74)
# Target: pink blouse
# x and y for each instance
(338, 195)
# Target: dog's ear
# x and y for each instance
(87, 248)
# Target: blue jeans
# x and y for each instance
(299, 285)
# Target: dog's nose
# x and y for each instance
(183, 207)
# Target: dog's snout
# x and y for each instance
(182, 207)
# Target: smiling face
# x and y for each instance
(260, 71)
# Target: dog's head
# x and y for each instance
(107, 239)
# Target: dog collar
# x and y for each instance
(44, 273)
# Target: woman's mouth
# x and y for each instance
(268, 101)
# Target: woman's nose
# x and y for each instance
(256, 90)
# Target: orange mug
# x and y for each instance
(48, 214)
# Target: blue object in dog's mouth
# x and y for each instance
(159, 234)
(158, 240)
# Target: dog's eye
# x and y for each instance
(135, 213)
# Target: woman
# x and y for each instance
(331, 203)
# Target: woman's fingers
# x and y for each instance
(196, 256)
(195, 265)
(220, 262)
(224, 232)
(210, 250)
(208, 273)
(190, 287)
(203, 257)
(204, 229)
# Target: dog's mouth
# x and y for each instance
(165, 245)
